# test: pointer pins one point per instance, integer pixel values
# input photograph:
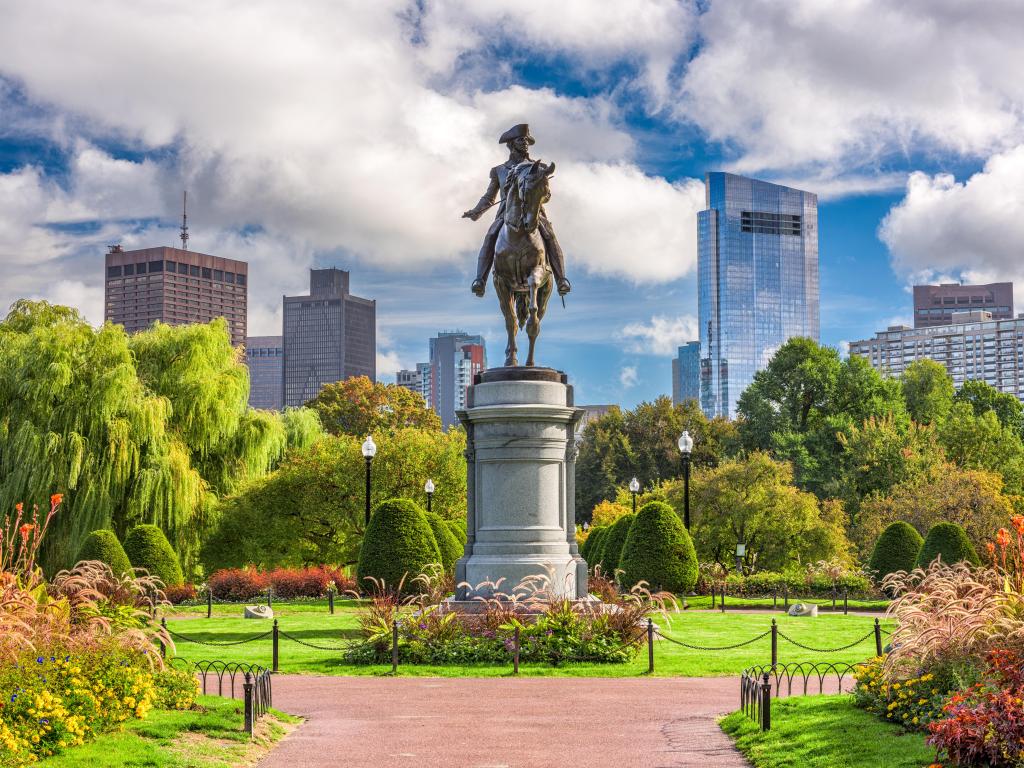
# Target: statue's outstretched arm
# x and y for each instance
(487, 200)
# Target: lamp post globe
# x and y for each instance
(369, 449)
(686, 448)
(428, 487)
(634, 488)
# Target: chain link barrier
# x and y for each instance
(311, 645)
(187, 639)
(712, 647)
(788, 639)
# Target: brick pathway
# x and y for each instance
(363, 722)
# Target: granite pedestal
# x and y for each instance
(521, 455)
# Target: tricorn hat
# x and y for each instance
(515, 132)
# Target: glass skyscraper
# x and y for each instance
(757, 271)
(686, 373)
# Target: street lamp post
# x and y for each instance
(634, 488)
(686, 448)
(369, 451)
(429, 488)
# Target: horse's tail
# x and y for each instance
(522, 309)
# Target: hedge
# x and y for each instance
(948, 541)
(447, 543)
(398, 545)
(897, 549)
(614, 541)
(659, 550)
(595, 545)
(147, 547)
(797, 584)
(103, 545)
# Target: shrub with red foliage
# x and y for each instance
(287, 583)
(180, 593)
(984, 725)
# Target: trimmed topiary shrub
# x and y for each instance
(103, 545)
(896, 550)
(447, 544)
(948, 541)
(398, 544)
(614, 541)
(459, 532)
(594, 544)
(658, 550)
(147, 547)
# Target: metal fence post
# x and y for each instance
(250, 714)
(650, 646)
(330, 600)
(722, 602)
(785, 596)
(846, 600)
(163, 645)
(775, 643)
(766, 704)
(209, 602)
(712, 595)
(878, 638)
(277, 633)
(394, 647)
(515, 653)
(270, 592)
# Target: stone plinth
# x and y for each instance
(521, 455)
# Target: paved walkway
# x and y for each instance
(364, 722)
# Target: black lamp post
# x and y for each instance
(686, 448)
(634, 488)
(429, 488)
(369, 451)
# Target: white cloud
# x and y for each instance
(628, 376)
(388, 364)
(661, 336)
(834, 85)
(971, 229)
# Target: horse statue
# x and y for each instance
(522, 274)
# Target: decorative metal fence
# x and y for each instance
(249, 682)
(759, 684)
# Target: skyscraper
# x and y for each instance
(176, 287)
(935, 304)
(329, 335)
(686, 373)
(757, 272)
(264, 355)
(455, 358)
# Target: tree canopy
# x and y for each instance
(358, 406)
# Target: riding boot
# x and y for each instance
(555, 256)
(485, 260)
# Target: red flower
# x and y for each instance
(990, 547)
(56, 499)
(25, 530)
(19, 507)
(1003, 537)
(1018, 523)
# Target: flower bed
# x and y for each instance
(241, 584)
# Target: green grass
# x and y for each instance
(208, 737)
(826, 732)
(704, 628)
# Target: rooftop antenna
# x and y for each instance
(184, 221)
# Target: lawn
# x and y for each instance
(701, 628)
(826, 732)
(210, 736)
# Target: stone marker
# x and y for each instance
(803, 609)
(259, 612)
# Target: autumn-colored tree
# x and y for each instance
(358, 406)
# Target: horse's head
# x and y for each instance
(533, 191)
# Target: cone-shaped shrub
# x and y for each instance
(447, 544)
(147, 547)
(614, 541)
(459, 532)
(398, 544)
(896, 550)
(948, 541)
(103, 545)
(658, 550)
(594, 544)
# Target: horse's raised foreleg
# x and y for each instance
(533, 324)
(507, 300)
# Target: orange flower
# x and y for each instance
(990, 547)
(56, 499)
(19, 507)
(25, 530)
(1003, 537)
(1018, 523)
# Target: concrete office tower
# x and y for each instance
(686, 373)
(935, 304)
(455, 358)
(264, 355)
(176, 287)
(757, 274)
(974, 347)
(329, 335)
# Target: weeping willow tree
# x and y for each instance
(147, 429)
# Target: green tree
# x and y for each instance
(658, 550)
(358, 406)
(398, 546)
(311, 510)
(948, 541)
(928, 391)
(753, 501)
(975, 441)
(103, 545)
(983, 397)
(605, 456)
(895, 550)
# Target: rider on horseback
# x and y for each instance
(518, 139)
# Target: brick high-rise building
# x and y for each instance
(329, 335)
(935, 304)
(176, 287)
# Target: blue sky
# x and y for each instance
(354, 134)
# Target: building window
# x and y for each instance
(229, 277)
(182, 268)
(113, 271)
(129, 269)
(156, 266)
(193, 270)
(218, 274)
(207, 273)
(240, 279)
(765, 223)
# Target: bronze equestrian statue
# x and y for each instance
(520, 243)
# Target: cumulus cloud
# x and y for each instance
(835, 85)
(972, 229)
(661, 336)
(629, 377)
